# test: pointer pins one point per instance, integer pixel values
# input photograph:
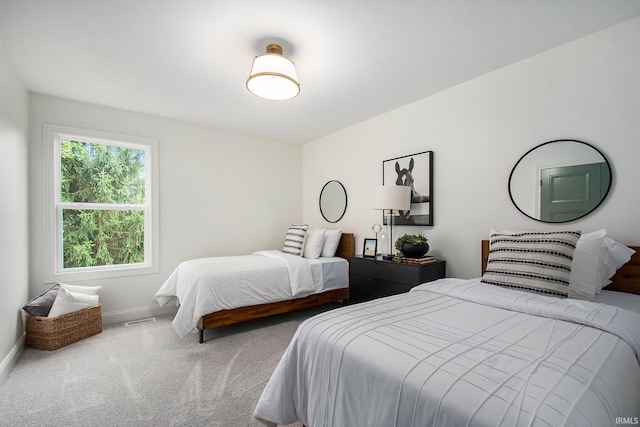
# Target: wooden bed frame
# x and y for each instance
(626, 279)
(346, 249)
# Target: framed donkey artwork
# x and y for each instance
(415, 171)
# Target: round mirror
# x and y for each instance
(333, 201)
(560, 181)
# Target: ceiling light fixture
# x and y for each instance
(273, 75)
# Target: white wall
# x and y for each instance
(586, 90)
(220, 193)
(13, 212)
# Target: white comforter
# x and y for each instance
(459, 352)
(207, 285)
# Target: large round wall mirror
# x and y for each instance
(333, 201)
(560, 181)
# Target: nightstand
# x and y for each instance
(371, 278)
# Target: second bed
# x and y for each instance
(217, 291)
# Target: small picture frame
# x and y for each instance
(370, 248)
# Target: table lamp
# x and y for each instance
(390, 198)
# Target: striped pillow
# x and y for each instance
(537, 262)
(294, 240)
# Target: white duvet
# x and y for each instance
(207, 285)
(459, 352)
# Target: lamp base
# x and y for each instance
(387, 257)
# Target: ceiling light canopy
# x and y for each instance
(273, 75)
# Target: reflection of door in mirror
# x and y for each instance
(560, 181)
(567, 192)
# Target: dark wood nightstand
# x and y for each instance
(371, 278)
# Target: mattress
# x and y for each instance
(459, 352)
(207, 285)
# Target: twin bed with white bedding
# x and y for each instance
(217, 291)
(461, 352)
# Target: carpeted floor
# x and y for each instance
(145, 375)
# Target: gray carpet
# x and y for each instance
(145, 375)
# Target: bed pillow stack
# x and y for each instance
(313, 244)
(322, 243)
(595, 259)
(62, 299)
(537, 262)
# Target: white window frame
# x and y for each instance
(54, 270)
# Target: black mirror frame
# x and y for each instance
(604, 197)
(346, 201)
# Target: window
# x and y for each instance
(102, 204)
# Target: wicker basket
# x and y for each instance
(51, 333)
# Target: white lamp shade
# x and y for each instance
(392, 197)
(273, 76)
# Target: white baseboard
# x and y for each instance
(122, 316)
(12, 358)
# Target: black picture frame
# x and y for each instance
(415, 170)
(370, 248)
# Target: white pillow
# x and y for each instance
(331, 242)
(315, 242)
(615, 255)
(67, 302)
(87, 290)
(586, 265)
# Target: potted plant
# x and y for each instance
(411, 246)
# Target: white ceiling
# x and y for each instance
(356, 59)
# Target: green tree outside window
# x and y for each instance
(102, 193)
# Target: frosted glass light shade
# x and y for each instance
(392, 197)
(273, 76)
